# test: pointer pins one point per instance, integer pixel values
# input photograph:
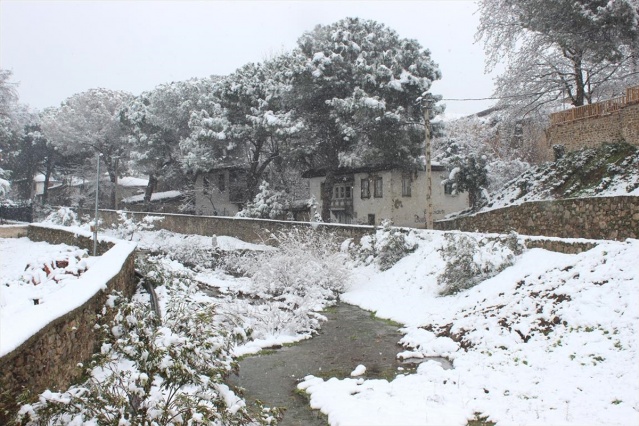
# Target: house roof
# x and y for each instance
(156, 196)
(320, 172)
(228, 167)
(131, 181)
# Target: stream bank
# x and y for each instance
(350, 337)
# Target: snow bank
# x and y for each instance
(553, 339)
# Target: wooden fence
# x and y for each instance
(597, 109)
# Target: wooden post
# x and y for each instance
(429, 174)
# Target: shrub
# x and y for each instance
(471, 260)
(64, 216)
(268, 204)
(305, 273)
(153, 371)
(387, 247)
(126, 228)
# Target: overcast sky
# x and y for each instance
(58, 48)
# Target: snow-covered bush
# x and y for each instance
(4, 187)
(64, 216)
(127, 227)
(268, 204)
(385, 248)
(151, 371)
(471, 260)
(305, 273)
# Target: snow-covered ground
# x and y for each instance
(606, 172)
(552, 339)
(41, 282)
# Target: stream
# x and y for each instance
(350, 337)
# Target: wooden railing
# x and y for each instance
(597, 109)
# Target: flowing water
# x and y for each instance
(350, 337)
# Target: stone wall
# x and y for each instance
(250, 230)
(257, 230)
(49, 359)
(612, 218)
(13, 231)
(595, 131)
(51, 235)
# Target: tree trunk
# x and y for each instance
(150, 187)
(580, 89)
(327, 195)
(114, 182)
(47, 176)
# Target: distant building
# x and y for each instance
(38, 184)
(368, 195)
(161, 202)
(221, 191)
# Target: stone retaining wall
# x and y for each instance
(592, 132)
(607, 218)
(49, 359)
(257, 230)
(250, 230)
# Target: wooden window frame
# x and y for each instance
(378, 187)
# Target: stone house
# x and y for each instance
(221, 191)
(368, 195)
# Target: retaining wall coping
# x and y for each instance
(63, 302)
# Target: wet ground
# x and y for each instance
(350, 337)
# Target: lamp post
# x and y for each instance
(95, 217)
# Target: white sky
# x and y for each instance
(56, 49)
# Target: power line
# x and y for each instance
(491, 98)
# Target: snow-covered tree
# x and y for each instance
(157, 121)
(358, 85)
(469, 174)
(555, 50)
(246, 126)
(268, 204)
(509, 147)
(88, 123)
(8, 104)
(29, 154)
(14, 116)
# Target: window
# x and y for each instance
(378, 187)
(448, 188)
(348, 192)
(336, 189)
(366, 190)
(406, 181)
(221, 182)
(206, 185)
(371, 219)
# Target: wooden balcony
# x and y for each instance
(597, 109)
(342, 204)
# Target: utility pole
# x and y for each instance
(95, 218)
(429, 175)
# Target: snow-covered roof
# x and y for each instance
(365, 169)
(166, 195)
(40, 178)
(132, 181)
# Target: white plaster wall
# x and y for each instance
(403, 211)
(220, 199)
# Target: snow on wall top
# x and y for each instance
(55, 299)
